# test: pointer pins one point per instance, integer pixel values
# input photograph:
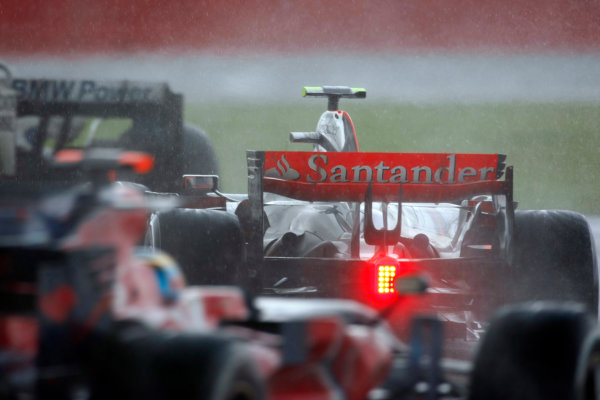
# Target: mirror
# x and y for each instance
(202, 183)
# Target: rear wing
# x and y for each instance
(156, 115)
(90, 97)
(422, 177)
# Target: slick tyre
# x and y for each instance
(199, 156)
(553, 258)
(207, 244)
(537, 351)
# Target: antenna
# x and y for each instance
(334, 94)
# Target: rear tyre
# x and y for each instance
(199, 156)
(535, 351)
(553, 258)
(207, 244)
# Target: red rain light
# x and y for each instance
(142, 163)
(385, 278)
(377, 287)
(386, 271)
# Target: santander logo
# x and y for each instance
(417, 168)
(283, 171)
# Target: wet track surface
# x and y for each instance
(418, 78)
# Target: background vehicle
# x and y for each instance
(58, 114)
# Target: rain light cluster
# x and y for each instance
(386, 278)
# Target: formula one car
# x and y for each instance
(54, 114)
(455, 222)
(337, 222)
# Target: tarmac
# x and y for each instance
(426, 77)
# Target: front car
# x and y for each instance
(348, 224)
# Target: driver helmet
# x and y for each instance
(169, 278)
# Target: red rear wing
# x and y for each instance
(425, 177)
